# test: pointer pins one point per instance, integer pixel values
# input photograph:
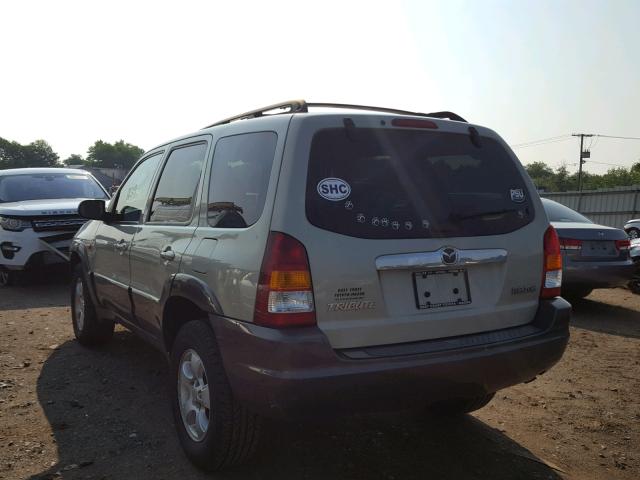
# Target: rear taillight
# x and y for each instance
(285, 295)
(570, 244)
(552, 267)
(623, 244)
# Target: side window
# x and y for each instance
(133, 194)
(175, 195)
(240, 174)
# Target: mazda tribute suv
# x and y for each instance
(295, 261)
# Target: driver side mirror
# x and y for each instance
(92, 209)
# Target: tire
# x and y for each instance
(634, 286)
(223, 435)
(577, 293)
(87, 327)
(7, 278)
(633, 232)
(460, 406)
(12, 278)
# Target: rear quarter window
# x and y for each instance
(392, 183)
(240, 174)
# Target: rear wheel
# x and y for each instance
(633, 232)
(214, 429)
(87, 327)
(460, 406)
(634, 286)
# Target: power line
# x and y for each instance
(561, 138)
(540, 144)
(541, 141)
(610, 164)
(621, 138)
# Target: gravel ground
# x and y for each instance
(69, 412)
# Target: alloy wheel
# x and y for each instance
(193, 395)
(78, 304)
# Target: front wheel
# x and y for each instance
(6, 278)
(214, 429)
(9, 278)
(87, 327)
(460, 406)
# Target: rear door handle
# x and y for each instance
(168, 254)
(121, 246)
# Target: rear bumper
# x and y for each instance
(593, 275)
(295, 373)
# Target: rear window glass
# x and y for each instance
(559, 213)
(391, 183)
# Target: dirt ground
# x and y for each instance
(69, 412)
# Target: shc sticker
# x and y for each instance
(517, 195)
(334, 189)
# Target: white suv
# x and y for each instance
(39, 216)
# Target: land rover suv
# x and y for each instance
(297, 261)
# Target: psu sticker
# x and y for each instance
(334, 189)
(517, 195)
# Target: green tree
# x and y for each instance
(563, 179)
(35, 154)
(10, 154)
(40, 154)
(542, 175)
(74, 159)
(106, 155)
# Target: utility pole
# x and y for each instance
(583, 155)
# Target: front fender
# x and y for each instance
(79, 255)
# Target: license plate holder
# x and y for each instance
(599, 248)
(441, 288)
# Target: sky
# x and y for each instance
(77, 71)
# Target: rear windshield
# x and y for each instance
(392, 183)
(559, 213)
(45, 186)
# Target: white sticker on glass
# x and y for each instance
(334, 189)
(517, 195)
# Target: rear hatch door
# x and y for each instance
(411, 233)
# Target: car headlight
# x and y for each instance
(14, 224)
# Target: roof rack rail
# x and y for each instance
(293, 106)
(443, 115)
(446, 115)
(300, 106)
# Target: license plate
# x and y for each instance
(441, 288)
(599, 249)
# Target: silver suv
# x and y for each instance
(294, 263)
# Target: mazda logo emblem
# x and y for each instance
(449, 256)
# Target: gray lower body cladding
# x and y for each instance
(295, 373)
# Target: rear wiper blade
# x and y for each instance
(488, 213)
